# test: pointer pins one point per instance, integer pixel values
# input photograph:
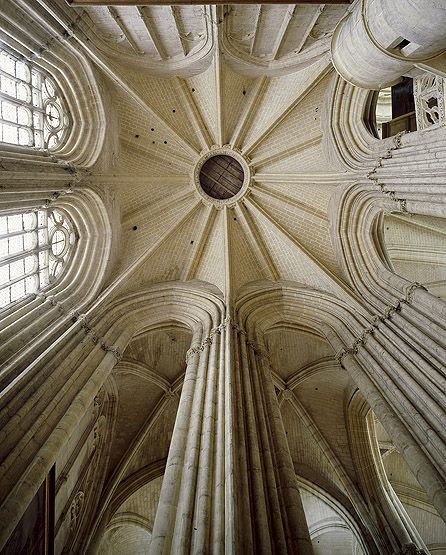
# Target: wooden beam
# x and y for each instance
(190, 2)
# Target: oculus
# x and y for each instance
(221, 177)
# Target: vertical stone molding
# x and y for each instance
(184, 519)
(230, 483)
(229, 431)
(403, 388)
(391, 516)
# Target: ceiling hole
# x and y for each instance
(136, 136)
(221, 177)
(135, 227)
(235, 219)
(402, 44)
(193, 90)
(244, 92)
(152, 129)
(173, 111)
(191, 242)
(153, 142)
(165, 142)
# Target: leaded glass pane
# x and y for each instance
(32, 110)
(35, 247)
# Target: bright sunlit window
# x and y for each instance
(32, 111)
(35, 247)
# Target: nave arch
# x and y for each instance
(81, 374)
(200, 307)
(391, 348)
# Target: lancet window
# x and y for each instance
(33, 111)
(35, 249)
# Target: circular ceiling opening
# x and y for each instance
(221, 177)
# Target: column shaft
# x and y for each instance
(423, 469)
(229, 485)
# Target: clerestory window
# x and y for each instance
(35, 248)
(32, 109)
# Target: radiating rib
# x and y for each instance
(248, 149)
(255, 97)
(287, 200)
(256, 28)
(288, 152)
(161, 206)
(184, 164)
(196, 120)
(253, 236)
(218, 77)
(282, 31)
(228, 252)
(417, 254)
(148, 180)
(178, 26)
(325, 271)
(191, 269)
(317, 12)
(319, 178)
(418, 224)
(128, 35)
(123, 277)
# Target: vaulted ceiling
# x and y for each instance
(180, 83)
(258, 37)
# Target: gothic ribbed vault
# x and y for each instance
(247, 354)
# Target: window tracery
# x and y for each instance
(32, 109)
(430, 100)
(35, 248)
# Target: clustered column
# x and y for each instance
(229, 485)
(398, 359)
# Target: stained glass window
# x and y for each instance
(35, 247)
(32, 109)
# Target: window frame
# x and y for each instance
(44, 102)
(46, 267)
